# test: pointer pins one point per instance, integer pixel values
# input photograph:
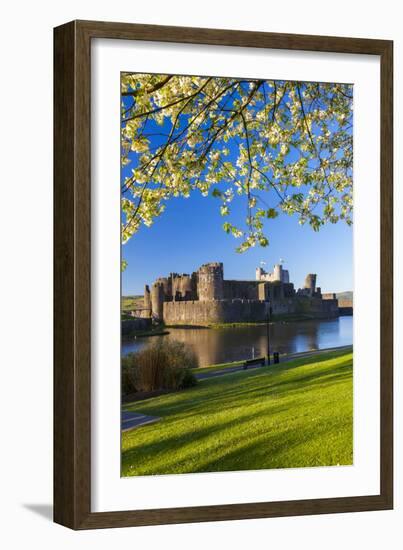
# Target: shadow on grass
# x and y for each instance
(267, 451)
(188, 437)
(233, 426)
(211, 396)
(239, 449)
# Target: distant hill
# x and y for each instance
(347, 295)
(132, 302)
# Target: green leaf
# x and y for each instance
(272, 213)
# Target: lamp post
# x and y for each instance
(268, 334)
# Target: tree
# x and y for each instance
(280, 146)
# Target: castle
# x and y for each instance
(205, 297)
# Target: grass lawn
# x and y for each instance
(131, 302)
(218, 366)
(284, 416)
(223, 366)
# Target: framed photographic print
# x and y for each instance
(223, 275)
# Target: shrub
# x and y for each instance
(128, 374)
(188, 380)
(162, 365)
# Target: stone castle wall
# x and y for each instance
(241, 290)
(207, 313)
(330, 307)
(284, 306)
(316, 306)
(243, 311)
(257, 290)
(343, 302)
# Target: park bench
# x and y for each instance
(257, 361)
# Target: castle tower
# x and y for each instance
(310, 282)
(157, 301)
(175, 282)
(186, 287)
(277, 271)
(259, 273)
(166, 283)
(147, 300)
(211, 282)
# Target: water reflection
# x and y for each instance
(231, 344)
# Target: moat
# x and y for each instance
(215, 346)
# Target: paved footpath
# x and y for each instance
(283, 359)
(132, 420)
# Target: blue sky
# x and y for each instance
(189, 233)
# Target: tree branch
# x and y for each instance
(151, 90)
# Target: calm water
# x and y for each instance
(232, 344)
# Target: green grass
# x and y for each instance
(217, 367)
(289, 317)
(128, 303)
(223, 366)
(235, 325)
(284, 416)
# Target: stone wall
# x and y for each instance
(316, 306)
(211, 312)
(200, 313)
(330, 307)
(329, 296)
(241, 290)
(257, 290)
(346, 307)
(244, 311)
(141, 313)
(306, 305)
(284, 307)
(345, 303)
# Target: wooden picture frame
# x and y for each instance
(72, 272)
